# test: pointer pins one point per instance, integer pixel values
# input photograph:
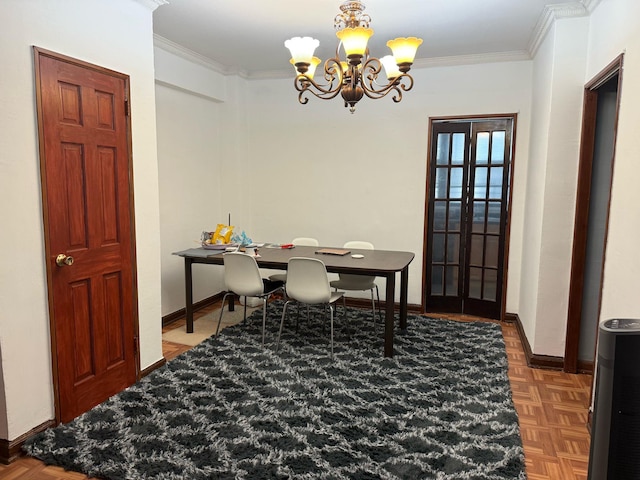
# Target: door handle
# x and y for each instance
(62, 260)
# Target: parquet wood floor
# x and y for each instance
(552, 407)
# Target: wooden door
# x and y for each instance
(87, 204)
(467, 211)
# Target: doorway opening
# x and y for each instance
(466, 226)
(595, 173)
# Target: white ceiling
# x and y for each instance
(247, 36)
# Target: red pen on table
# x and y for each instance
(287, 245)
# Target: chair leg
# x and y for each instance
(331, 308)
(284, 313)
(244, 320)
(373, 306)
(222, 311)
(264, 317)
(378, 297)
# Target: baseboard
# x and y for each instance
(152, 367)
(585, 367)
(533, 361)
(351, 302)
(178, 314)
(365, 303)
(10, 450)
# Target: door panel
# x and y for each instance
(87, 205)
(466, 216)
(489, 175)
(445, 213)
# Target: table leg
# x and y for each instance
(188, 286)
(389, 314)
(404, 289)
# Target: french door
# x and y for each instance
(468, 199)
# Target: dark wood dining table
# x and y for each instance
(378, 263)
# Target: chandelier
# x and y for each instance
(359, 74)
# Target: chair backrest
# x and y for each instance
(359, 244)
(307, 280)
(241, 274)
(306, 241)
(357, 279)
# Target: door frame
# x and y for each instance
(462, 118)
(41, 52)
(581, 219)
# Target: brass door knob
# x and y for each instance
(62, 260)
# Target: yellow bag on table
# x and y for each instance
(222, 235)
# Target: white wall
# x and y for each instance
(116, 35)
(287, 170)
(614, 30)
(559, 69)
(201, 153)
(535, 185)
(188, 166)
(573, 52)
(317, 170)
(562, 157)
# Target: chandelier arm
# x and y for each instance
(332, 74)
(375, 90)
(403, 83)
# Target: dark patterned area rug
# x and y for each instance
(441, 408)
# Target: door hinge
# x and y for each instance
(135, 345)
(126, 107)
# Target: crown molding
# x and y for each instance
(450, 61)
(579, 8)
(591, 4)
(193, 57)
(514, 56)
(272, 74)
(152, 4)
(494, 57)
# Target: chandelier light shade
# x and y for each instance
(302, 49)
(356, 74)
(354, 41)
(390, 67)
(315, 61)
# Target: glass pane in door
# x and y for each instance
(442, 180)
(457, 148)
(482, 148)
(497, 147)
(495, 182)
(442, 152)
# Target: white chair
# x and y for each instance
(242, 277)
(300, 241)
(308, 283)
(358, 282)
